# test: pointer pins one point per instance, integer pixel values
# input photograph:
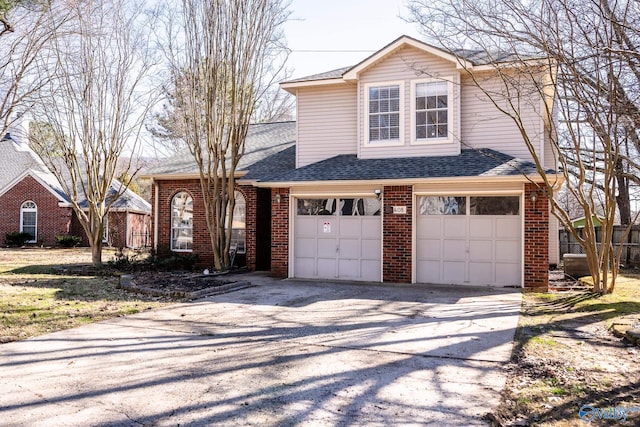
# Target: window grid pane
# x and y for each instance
(432, 103)
(182, 222)
(384, 113)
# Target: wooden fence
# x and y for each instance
(630, 250)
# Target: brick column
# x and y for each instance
(396, 235)
(536, 239)
(280, 232)
(251, 198)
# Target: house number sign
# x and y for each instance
(399, 210)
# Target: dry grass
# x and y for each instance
(566, 357)
(36, 300)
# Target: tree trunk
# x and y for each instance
(622, 198)
(96, 253)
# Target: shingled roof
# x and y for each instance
(469, 163)
(263, 141)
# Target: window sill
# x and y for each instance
(433, 141)
(385, 143)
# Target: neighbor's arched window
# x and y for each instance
(239, 224)
(29, 219)
(182, 222)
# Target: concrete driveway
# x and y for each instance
(282, 353)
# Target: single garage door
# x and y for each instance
(469, 240)
(338, 238)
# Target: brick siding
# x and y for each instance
(201, 238)
(536, 239)
(52, 220)
(396, 235)
(280, 233)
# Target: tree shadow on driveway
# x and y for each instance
(359, 356)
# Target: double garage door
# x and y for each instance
(459, 239)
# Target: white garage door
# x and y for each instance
(338, 238)
(469, 240)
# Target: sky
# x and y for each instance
(328, 34)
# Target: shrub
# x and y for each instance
(174, 262)
(68, 241)
(17, 238)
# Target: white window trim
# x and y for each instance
(451, 108)
(22, 210)
(171, 228)
(389, 142)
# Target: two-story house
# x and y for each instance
(397, 169)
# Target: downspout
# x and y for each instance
(155, 216)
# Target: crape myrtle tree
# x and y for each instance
(581, 57)
(94, 105)
(229, 52)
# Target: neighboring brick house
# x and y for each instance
(387, 175)
(32, 200)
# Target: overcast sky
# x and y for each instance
(328, 34)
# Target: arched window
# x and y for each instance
(29, 219)
(182, 222)
(239, 224)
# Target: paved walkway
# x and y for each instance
(282, 353)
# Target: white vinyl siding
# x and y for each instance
(484, 126)
(326, 120)
(410, 66)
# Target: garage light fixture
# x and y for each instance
(278, 198)
(534, 196)
(377, 192)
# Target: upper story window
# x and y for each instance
(182, 222)
(29, 220)
(384, 113)
(432, 111)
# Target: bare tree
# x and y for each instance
(228, 59)
(581, 58)
(24, 37)
(95, 105)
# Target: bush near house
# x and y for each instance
(17, 238)
(68, 241)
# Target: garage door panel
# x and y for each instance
(305, 248)
(507, 274)
(481, 273)
(429, 249)
(306, 226)
(481, 250)
(508, 227)
(371, 228)
(454, 272)
(370, 270)
(348, 268)
(305, 267)
(481, 227)
(454, 227)
(370, 250)
(429, 272)
(350, 227)
(508, 251)
(326, 267)
(429, 227)
(327, 248)
(349, 248)
(454, 250)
